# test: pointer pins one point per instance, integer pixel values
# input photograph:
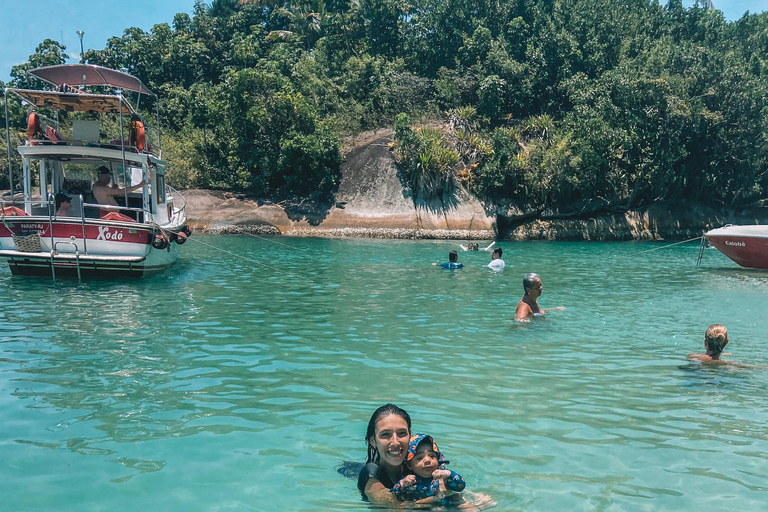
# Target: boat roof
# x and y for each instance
(75, 101)
(89, 74)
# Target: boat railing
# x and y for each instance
(178, 214)
(132, 212)
(37, 205)
(115, 144)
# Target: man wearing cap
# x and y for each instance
(63, 204)
(104, 193)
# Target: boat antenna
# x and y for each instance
(8, 141)
(82, 53)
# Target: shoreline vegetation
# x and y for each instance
(535, 119)
(374, 201)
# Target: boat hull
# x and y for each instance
(86, 250)
(745, 245)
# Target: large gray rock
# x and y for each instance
(372, 200)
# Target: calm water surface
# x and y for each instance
(239, 379)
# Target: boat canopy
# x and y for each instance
(75, 102)
(89, 74)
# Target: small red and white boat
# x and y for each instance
(142, 234)
(746, 245)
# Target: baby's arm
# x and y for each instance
(454, 482)
(402, 487)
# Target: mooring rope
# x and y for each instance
(276, 242)
(248, 259)
(664, 247)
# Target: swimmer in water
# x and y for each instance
(472, 246)
(430, 481)
(528, 306)
(715, 340)
(453, 261)
(496, 262)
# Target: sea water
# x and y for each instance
(240, 378)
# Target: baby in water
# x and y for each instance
(431, 482)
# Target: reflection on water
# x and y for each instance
(230, 384)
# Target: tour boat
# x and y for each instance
(746, 245)
(139, 235)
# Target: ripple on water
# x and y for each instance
(228, 384)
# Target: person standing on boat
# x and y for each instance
(63, 205)
(104, 193)
(529, 305)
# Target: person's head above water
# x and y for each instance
(715, 339)
(453, 256)
(424, 456)
(496, 253)
(530, 282)
(389, 430)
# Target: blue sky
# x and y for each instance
(24, 25)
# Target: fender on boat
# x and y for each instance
(181, 238)
(158, 242)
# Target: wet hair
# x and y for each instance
(529, 280)
(497, 251)
(473, 247)
(384, 410)
(716, 337)
(453, 256)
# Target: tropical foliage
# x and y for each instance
(548, 102)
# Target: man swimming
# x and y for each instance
(529, 306)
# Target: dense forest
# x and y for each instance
(551, 103)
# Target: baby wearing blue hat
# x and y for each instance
(427, 463)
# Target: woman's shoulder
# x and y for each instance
(371, 470)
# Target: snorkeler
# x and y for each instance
(431, 482)
(529, 305)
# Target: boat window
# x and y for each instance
(160, 188)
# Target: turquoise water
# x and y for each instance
(239, 379)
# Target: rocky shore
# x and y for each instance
(373, 202)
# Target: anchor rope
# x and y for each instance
(248, 259)
(276, 242)
(665, 246)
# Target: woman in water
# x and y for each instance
(387, 436)
(715, 340)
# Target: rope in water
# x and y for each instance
(665, 246)
(276, 242)
(248, 259)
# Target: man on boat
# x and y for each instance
(104, 193)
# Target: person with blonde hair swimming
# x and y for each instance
(715, 340)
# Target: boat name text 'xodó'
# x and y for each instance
(105, 234)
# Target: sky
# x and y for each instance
(24, 25)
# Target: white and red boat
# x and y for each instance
(746, 245)
(142, 234)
